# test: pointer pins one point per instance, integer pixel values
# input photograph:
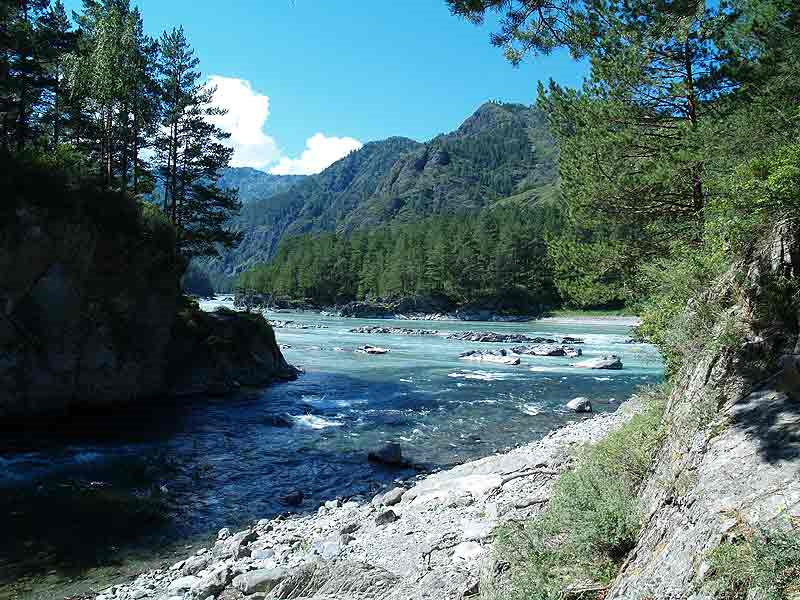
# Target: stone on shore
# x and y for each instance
(260, 580)
(386, 517)
(393, 497)
(212, 584)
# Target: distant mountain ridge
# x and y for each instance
(501, 150)
(254, 184)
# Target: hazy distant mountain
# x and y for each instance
(254, 184)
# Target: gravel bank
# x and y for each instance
(427, 540)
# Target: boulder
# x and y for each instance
(212, 584)
(393, 496)
(293, 498)
(499, 357)
(609, 361)
(386, 517)
(390, 454)
(261, 580)
(328, 548)
(349, 528)
(580, 405)
(184, 583)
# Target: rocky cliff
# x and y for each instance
(91, 314)
(730, 464)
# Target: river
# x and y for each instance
(105, 496)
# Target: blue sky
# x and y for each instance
(336, 74)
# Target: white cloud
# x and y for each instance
(247, 114)
(245, 120)
(321, 152)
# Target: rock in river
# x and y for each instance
(580, 405)
(610, 361)
(389, 454)
(294, 498)
(500, 357)
(367, 349)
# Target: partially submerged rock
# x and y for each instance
(580, 405)
(293, 498)
(390, 454)
(547, 350)
(498, 356)
(610, 361)
(378, 330)
(494, 337)
(367, 349)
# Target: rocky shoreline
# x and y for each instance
(411, 309)
(429, 538)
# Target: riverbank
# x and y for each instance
(429, 538)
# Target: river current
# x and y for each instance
(85, 501)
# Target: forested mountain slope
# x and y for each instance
(254, 184)
(500, 151)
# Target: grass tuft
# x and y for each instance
(756, 563)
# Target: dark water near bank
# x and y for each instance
(85, 500)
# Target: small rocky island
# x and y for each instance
(92, 318)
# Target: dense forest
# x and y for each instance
(497, 257)
(91, 98)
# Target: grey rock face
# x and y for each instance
(90, 318)
(732, 456)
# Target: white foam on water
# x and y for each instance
(314, 422)
(532, 409)
(602, 378)
(546, 369)
(480, 375)
(406, 380)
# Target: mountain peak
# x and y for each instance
(490, 115)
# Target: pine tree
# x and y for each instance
(191, 153)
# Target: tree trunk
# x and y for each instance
(135, 174)
(691, 112)
(109, 147)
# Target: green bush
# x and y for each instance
(593, 518)
(680, 316)
(757, 194)
(756, 564)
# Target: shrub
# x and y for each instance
(680, 316)
(756, 564)
(593, 518)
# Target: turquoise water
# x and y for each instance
(107, 489)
